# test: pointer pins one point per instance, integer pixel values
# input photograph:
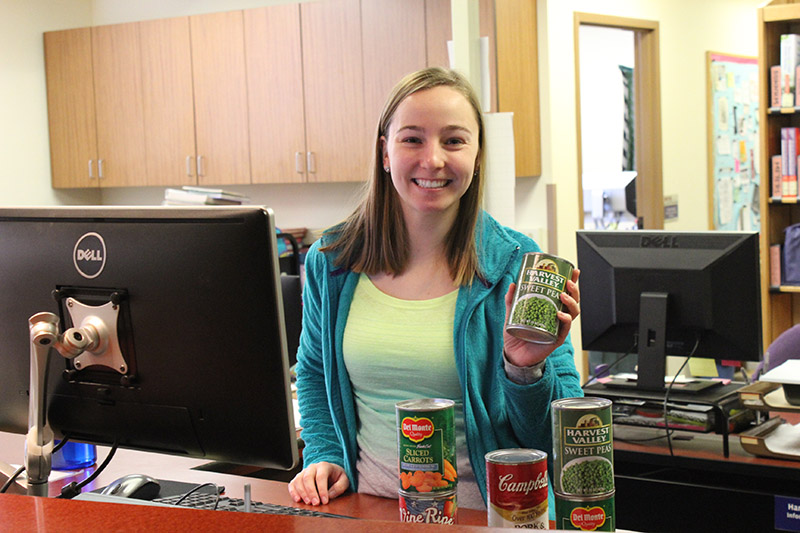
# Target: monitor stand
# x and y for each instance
(694, 386)
(652, 344)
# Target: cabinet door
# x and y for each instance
(220, 98)
(275, 94)
(116, 59)
(70, 107)
(394, 45)
(168, 102)
(337, 136)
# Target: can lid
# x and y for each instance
(425, 404)
(513, 456)
(587, 402)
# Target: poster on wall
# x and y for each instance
(733, 173)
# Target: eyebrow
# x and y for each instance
(452, 127)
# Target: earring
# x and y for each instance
(386, 169)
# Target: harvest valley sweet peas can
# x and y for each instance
(583, 464)
(583, 446)
(426, 445)
(537, 298)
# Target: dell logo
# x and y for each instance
(89, 255)
(659, 241)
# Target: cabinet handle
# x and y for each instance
(189, 166)
(91, 173)
(310, 161)
(200, 166)
(100, 169)
(298, 162)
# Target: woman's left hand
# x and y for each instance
(524, 353)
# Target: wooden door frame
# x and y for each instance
(647, 113)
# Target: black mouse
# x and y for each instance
(137, 486)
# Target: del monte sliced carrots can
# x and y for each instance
(426, 446)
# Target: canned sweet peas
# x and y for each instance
(537, 298)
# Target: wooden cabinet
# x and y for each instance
(393, 47)
(275, 94)
(168, 103)
(780, 305)
(317, 122)
(95, 106)
(333, 85)
(279, 94)
(220, 98)
(70, 107)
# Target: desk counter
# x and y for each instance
(24, 513)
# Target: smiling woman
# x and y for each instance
(407, 299)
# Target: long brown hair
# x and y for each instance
(374, 238)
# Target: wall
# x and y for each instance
(687, 30)
(24, 143)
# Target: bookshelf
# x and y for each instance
(780, 304)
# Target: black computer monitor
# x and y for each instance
(201, 367)
(661, 293)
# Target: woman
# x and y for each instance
(407, 299)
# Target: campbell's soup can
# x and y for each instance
(583, 447)
(516, 486)
(585, 513)
(439, 508)
(537, 298)
(426, 445)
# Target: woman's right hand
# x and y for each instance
(319, 483)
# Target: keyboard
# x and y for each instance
(206, 501)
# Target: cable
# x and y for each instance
(21, 469)
(669, 389)
(198, 487)
(13, 478)
(73, 489)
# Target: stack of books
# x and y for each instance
(188, 195)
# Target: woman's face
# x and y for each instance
(431, 149)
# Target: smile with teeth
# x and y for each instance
(430, 184)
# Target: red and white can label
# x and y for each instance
(516, 482)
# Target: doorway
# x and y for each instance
(619, 135)
(604, 173)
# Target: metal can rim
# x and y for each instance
(581, 402)
(501, 456)
(425, 404)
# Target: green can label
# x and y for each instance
(585, 514)
(426, 445)
(537, 299)
(583, 446)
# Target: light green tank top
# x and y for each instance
(398, 350)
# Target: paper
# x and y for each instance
(703, 367)
(500, 173)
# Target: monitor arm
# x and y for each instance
(43, 329)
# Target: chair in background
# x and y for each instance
(783, 348)
(292, 290)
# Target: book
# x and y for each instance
(790, 59)
(775, 255)
(185, 196)
(775, 86)
(777, 177)
(790, 148)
